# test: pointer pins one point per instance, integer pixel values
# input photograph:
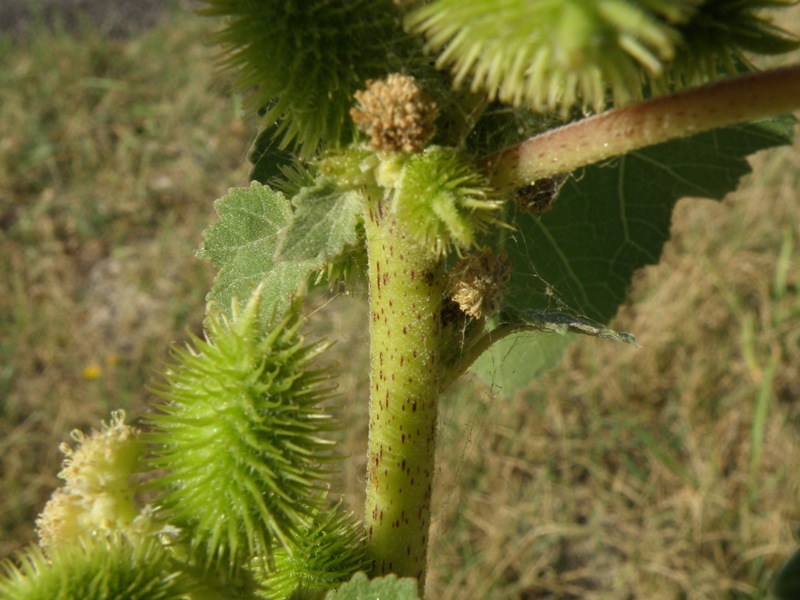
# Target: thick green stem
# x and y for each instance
(659, 120)
(405, 287)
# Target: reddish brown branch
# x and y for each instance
(619, 131)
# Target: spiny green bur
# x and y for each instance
(99, 569)
(302, 62)
(330, 551)
(239, 435)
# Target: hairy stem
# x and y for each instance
(406, 288)
(651, 122)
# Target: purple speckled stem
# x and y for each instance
(616, 132)
(406, 287)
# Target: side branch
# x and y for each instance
(619, 131)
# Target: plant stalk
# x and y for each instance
(406, 287)
(616, 132)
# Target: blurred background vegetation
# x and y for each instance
(668, 471)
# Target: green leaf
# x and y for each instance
(324, 222)
(243, 244)
(608, 221)
(382, 588)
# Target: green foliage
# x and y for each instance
(243, 244)
(331, 550)
(238, 448)
(239, 436)
(99, 569)
(303, 62)
(554, 55)
(325, 220)
(607, 222)
(326, 229)
(383, 588)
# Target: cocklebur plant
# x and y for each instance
(446, 153)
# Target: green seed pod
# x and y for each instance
(96, 569)
(327, 554)
(555, 55)
(442, 200)
(304, 60)
(239, 436)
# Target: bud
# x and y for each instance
(443, 201)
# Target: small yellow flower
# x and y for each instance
(92, 371)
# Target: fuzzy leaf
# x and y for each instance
(243, 243)
(381, 588)
(608, 221)
(324, 223)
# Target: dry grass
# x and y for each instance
(637, 473)
(110, 155)
(625, 473)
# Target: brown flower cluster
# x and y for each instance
(476, 281)
(395, 113)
